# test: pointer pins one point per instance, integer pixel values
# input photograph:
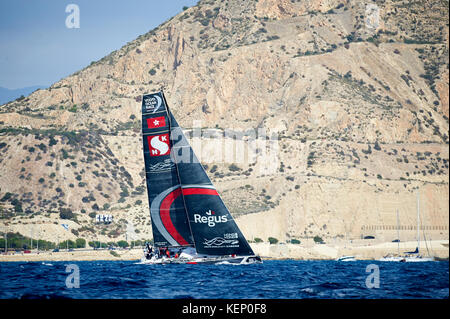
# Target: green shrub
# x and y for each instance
(377, 146)
(213, 169)
(122, 243)
(66, 213)
(52, 141)
(80, 243)
(272, 240)
(67, 244)
(64, 153)
(137, 243)
(258, 240)
(318, 239)
(368, 151)
(295, 241)
(93, 244)
(18, 208)
(6, 197)
(18, 241)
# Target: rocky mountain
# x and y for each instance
(7, 95)
(339, 107)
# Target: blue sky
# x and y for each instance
(36, 47)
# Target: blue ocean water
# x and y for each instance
(287, 279)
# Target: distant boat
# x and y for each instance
(346, 258)
(397, 257)
(411, 256)
(190, 222)
(393, 258)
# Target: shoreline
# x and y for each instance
(437, 248)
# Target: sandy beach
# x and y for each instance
(361, 251)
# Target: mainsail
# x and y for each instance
(169, 218)
(185, 207)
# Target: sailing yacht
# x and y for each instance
(411, 256)
(190, 222)
(397, 257)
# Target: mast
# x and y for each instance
(418, 221)
(398, 235)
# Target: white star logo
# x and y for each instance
(156, 122)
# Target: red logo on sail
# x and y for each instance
(156, 122)
(159, 144)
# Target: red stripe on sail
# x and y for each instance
(164, 212)
(199, 191)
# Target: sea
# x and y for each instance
(274, 279)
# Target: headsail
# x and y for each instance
(214, 230)
(169, 218)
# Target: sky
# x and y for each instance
(37, 47)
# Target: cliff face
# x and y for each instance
(353, 100)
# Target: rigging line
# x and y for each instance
(424, 238)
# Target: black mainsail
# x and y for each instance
(169, 218)
(185, 207)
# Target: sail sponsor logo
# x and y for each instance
(159, 145)
(211, 218)
(152, 103)
(156, 122)
(228, 240)
(161, 166)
